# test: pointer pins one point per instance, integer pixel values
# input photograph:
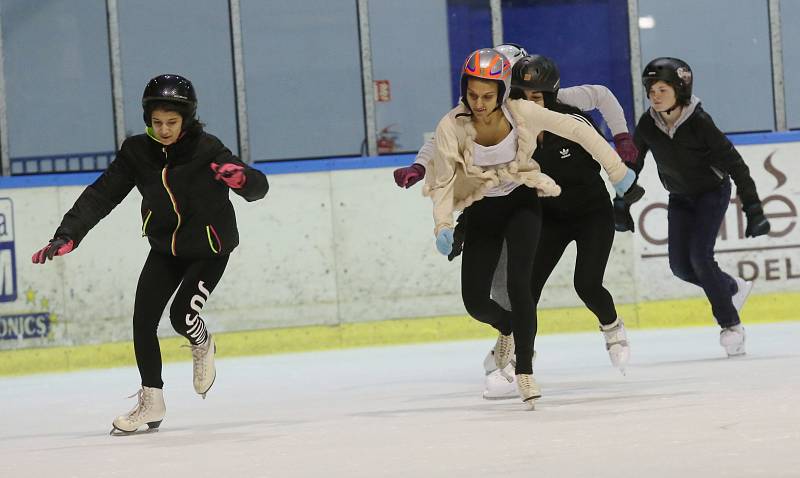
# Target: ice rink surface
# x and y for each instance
(683, 410)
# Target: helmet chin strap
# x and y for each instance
(673, 107)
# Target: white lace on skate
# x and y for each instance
(732, 339)
(203, 370)
(742, 292)
(149, 410)
(528, 390)
(617, 344)
(503, 350)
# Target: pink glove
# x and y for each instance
(57, 247)
(230, 174)
(409, 176)
(625, 148)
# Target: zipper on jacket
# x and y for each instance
(209, 232)
(146, 220)
(174, 203)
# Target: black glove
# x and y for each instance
(757, 223)
(458, 238)
(622, 215)
(633, 194)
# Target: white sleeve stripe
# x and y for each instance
(577, 116)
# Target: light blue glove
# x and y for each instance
(622, 187)
(444, 241)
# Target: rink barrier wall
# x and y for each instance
(652, 315)
(337, 244)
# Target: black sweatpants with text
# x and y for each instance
(161, 275)
(515, 219)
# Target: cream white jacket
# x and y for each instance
(453, 182)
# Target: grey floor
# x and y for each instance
(416, 411)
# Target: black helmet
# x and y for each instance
(536, 73)
(672, 71)
(172, 89)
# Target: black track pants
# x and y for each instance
(161, 275)
(515, 219)
(593, 234)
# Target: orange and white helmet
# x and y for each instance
(488, 64)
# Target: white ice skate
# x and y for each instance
(501, 385)
(149, 410)
(498, 386)
(528, 390)
(732, 339)
(488, 362)
(503, 351)
(203, 368)
(743, 291)
(617, 344)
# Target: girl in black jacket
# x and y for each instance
(184, 176)
(581, 213)
(696, 163)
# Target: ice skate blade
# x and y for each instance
(529, 404)
(203, 394)
(737, 350)
(500, 397)
(152, 427)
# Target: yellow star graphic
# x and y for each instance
(45, 302)
(30, 296)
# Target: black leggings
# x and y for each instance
(161, 275)
(515, 219)
(593, 234)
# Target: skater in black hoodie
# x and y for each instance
(184, 175)
(696, 163)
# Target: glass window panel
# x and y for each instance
(790, 31)
(418, 74)
(731, 59)
(57, 77)
(303, 77)
(186, 37)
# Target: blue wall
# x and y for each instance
(588, 39)
(469, 27)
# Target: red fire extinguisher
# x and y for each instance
(387, 140)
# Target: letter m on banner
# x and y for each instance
(8, 260)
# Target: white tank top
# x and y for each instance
(491, 157)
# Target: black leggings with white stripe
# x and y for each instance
(161, 275)
(515, 219)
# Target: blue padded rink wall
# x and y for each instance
(683, 410)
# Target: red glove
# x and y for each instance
(409, 176)
(230, 174)
(625, 148)
(57, 247)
